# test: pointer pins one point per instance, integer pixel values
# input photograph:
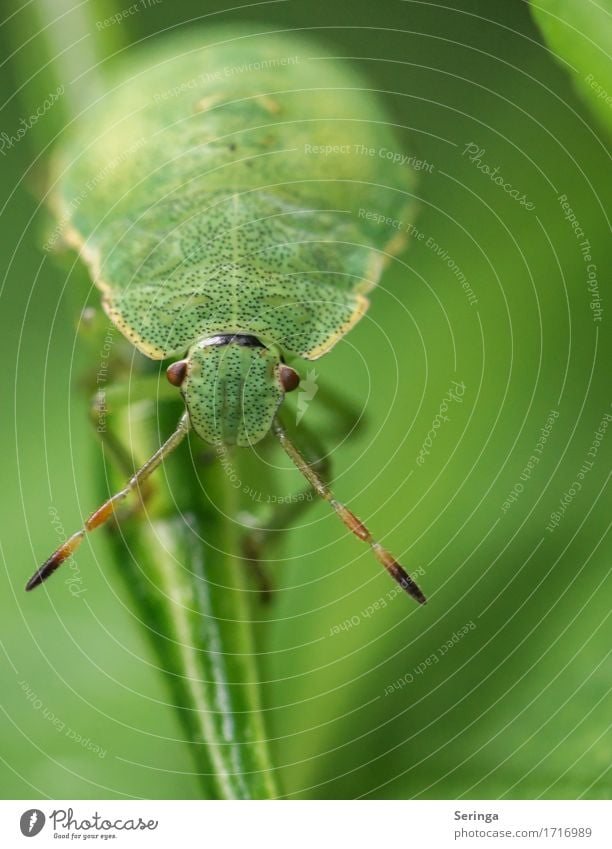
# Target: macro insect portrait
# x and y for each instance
(230, 233)
(306, 432)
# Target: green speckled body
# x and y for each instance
(223, 186)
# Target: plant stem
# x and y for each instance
(183, 571)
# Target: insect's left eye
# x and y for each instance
(176, 372)
(289, 378)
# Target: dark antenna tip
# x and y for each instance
(36, 579)
(45, 570)
(403, 579)
(55, 561)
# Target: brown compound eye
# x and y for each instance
(289, 378)
(176, 372)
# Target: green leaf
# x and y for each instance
(580, 34)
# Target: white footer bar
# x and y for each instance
(306, 824)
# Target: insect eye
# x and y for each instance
(289, 378)
(176, 372)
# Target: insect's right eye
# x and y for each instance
(289, 378)
(176, 372)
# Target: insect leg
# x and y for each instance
(106, 510)
(350, 520)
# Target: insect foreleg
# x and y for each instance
(106, 510)
(347, 516)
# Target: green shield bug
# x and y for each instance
(226, 197)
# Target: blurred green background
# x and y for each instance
(518, 703)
